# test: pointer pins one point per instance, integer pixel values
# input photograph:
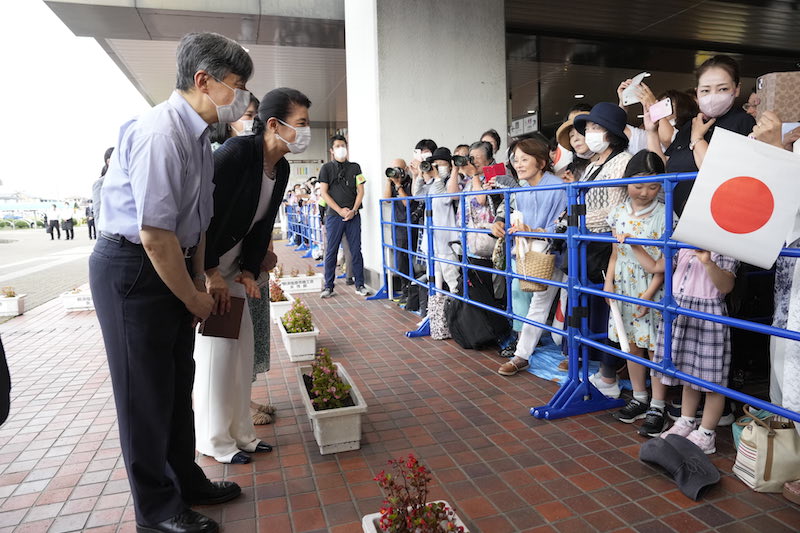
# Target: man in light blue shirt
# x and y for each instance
(157, 203)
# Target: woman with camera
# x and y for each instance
(398, 185)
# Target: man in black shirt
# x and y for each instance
(342, 186)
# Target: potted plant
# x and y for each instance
(333, 404)
(298, 332)
(406, 508)
(77, 299)
(279, 300)
(11, 303)
(295, 283)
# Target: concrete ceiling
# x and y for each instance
(554, 50)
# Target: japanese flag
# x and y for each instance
(744, 201)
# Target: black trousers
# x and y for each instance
(92, 228)
(149, 343)
(55, 228)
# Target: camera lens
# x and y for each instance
(391, 172)
(459, 160)
(425, 166)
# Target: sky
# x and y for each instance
(63, 100)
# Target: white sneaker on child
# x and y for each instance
(610, 390)
(680, 427)
(707, 443)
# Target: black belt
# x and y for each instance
(188, 253)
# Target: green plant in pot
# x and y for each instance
(328, 390)
(298, 318)
(276, 293)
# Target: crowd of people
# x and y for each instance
(597, 143)
(185, 232)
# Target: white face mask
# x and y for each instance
(247, 127)
(340, 153)
(588, 154)
(425, 155)
(444, 172)
(301, 140)
(596, 142)
(672, 122)
(232, 112)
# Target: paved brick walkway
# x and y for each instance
(61, 470)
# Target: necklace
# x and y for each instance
(269, 174)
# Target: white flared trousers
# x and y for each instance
(223, 383)
(538, 312)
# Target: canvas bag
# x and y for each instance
(534, 260)
(480, 244)
(768, 454)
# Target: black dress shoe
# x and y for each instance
(263, 447)
(186, 522)
(240, 458)
(216, 492)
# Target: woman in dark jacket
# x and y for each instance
(250, 178)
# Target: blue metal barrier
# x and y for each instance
(577, 395)
(304, 222)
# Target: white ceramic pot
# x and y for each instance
(301, 284)
(278, 309)
(335, 430)
(299, 346)
(13, 306)
(371, 522)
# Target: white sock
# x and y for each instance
(658, 404)
(689, 421)
(640, 396)
(707, 432)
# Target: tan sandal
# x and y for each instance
(512, 367)
(260, 418)
(267, 409)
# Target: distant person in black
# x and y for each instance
(90, 221)
(342, 187)
(97, 186)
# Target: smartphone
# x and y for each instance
(491, 171)
(661, 109)
(629, 95)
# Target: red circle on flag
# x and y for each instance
(742, 205)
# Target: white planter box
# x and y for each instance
(278, 309)
(12, 306)
(300, 346)
(300, 284)
(371, 522)
(335, 430)
(77, 301)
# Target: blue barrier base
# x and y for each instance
(570, 400)
(423, 331)
(301, 248)
(382, 294)
(320, 265)
(341, 276)
(290, 243)
(306, 255)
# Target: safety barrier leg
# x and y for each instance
(576, 396)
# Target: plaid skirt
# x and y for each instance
(700, 348)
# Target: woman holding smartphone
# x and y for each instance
(718, 87)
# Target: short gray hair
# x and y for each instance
(214, 53)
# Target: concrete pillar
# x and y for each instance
(418, 69)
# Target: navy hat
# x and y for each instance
(610, 116)
(440, 154)
(690, 468)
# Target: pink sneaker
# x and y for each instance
(707, 443)
(680, 427)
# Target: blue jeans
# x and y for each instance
(336, 228)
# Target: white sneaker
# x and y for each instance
(362, 291)
(707, 443)
(611, 390)
(326, 293)
(680, 427)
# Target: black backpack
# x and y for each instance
(473, 327)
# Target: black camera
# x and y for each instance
(425, 166)
(395, 172)
(460, 160)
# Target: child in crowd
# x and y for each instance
(700, 348)
(640, 216)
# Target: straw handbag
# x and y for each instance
(534, 260)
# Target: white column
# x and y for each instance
(418, 69)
